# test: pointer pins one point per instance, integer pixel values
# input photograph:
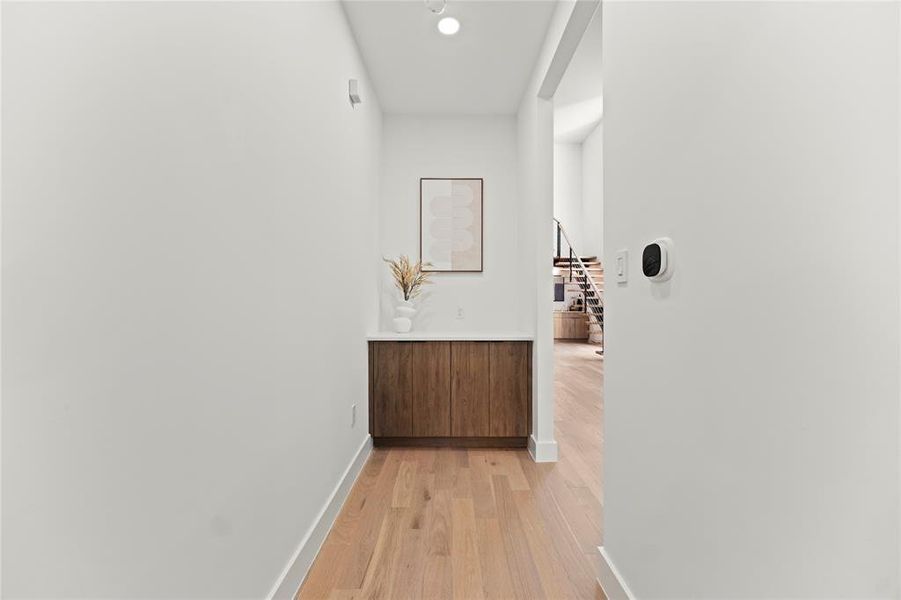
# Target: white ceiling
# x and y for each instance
(578, 101)
(483, 69)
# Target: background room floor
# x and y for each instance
(472, 523)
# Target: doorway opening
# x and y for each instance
(578, 267)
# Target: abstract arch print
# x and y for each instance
(450, 224)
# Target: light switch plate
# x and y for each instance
(621, 266)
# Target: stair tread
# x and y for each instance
(566, 261)
(575, 266)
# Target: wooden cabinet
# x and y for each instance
(470, 393)
(469, 388)
(431, 388)
(391, 389)
(570, 325)
(510, 379)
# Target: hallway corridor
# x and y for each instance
(458, 523)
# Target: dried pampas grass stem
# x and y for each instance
(408, 278)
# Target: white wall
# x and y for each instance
(535, 155)
(180, 180)
(568, 192)
(465, 146)
(751, 403)
(593, 192)
(899, 296)
(579, 191)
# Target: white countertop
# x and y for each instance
(451, 336)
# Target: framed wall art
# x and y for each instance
(450, 224)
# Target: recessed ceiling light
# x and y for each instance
(436, 6)
(449, 26)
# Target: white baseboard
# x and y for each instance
(543, 451)
(288, 584)
(611, 581)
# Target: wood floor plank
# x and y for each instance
(438, 524)
(345, 595)
(403, 486)
(406, 572)
(365, 535)
(377, 578)
(502, 462)
(550, 569)
(523, 571)
(580, 523)
(467, 572)
(463, 484)
(577, 568)
(419, 505)
(480, 486)
(446, 468)
(321, 581)
(437, 578)
(352, 512)
(508, 464)
(592, 508)
(496, 577)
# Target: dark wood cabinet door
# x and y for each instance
(510, 382)
(431, 389)
(469, 389)
(391, 389)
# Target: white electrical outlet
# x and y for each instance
(353, 415)
(460, 314)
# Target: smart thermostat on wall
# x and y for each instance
(657, 260)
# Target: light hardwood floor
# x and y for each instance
(470, 524)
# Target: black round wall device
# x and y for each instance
(650, 260)
(657, 259)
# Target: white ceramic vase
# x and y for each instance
(403, 316)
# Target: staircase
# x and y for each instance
(586, 274)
